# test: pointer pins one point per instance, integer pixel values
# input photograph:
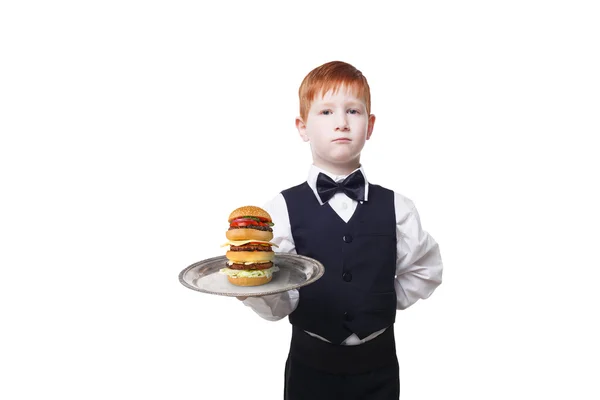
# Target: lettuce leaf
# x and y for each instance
(245, 273)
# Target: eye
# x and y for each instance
(326, 112)
(353, 111)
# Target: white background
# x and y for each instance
(130, 130)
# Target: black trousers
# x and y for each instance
(318, 370)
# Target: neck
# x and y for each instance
(338, 169)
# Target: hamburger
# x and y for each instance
(250, 255)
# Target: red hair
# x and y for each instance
(331, 76)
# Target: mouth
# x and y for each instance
(342, 140)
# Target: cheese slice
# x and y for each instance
(243, 242)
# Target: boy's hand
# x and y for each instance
(242, 298)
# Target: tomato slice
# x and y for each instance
(248, 222)
(244, 223)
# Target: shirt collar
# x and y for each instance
(314, 172)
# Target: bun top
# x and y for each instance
(249, 211)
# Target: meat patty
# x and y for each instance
(251, 266)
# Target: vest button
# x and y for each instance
(347, 238)
(347, 276)
(348, 317)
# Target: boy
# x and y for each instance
(377, 258)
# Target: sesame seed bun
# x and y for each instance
(249, 211)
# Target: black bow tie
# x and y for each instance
(353, 186)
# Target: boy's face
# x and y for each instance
(337, 127)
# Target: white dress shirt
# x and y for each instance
(418, 261)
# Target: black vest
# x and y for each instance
(356, 294)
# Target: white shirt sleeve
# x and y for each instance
(419, 262)
(277, 306)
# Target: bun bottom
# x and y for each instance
(250, 281)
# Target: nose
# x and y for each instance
(342, 124)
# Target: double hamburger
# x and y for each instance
(250, 255)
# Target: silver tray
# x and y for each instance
(294, 272)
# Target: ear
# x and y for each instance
(301, 126)
(371, 125)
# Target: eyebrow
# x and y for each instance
(352, 104)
